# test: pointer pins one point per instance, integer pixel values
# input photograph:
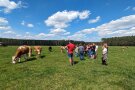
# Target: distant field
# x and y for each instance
(53, 72)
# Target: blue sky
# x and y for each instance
(87, 20)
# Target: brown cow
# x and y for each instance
(38, 50)
(22, 50)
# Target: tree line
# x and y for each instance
(114, 41)
(120, 41)
(16, 42)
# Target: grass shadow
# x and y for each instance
(30, 59)
(33, 55)
(43, 56)
(75, 62)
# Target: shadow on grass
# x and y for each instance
(75, 62)
(42, 56)
(30, 59)
(33, 55)
(39, 56)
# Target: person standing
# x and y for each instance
(96, 49)
(70, 48)
(93, 51)
(104, 54)
(81, 52)
(89, 50)
(85, 49)
(76, 51)
(96, 52)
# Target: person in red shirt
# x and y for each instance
(70, 48)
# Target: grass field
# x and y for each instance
(53, 71)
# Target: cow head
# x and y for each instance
(14, 59)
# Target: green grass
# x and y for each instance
(53, 71)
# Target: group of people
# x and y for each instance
(89, 50)
(80, 50)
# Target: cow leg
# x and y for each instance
(30, 54)
(19, 60)
(25, 57)
(13, 60)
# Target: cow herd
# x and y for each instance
(25, 51)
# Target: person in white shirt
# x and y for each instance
(76, 51)
(96, 51)
(96, 48)
(104, 54)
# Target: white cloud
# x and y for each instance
(94, 20)
(86, 31)
(5, 27)
(129, 8)
(4, 24)
(57, 31)
(9, 5)
(3, 21)
(30, 25)
(77, 36)
(124, 23)
(121, 27)
(66, 33)
(52, 36)
(23, 23)
(27, 32)
(18, 35)
(9, 32)
(43, 35)
(62, 19)
(124, 26)
(85, 14)
(28, 35)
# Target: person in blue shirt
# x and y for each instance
(81, 51)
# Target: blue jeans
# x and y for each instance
(89, 53)
(81, 55)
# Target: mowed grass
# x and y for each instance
(53, 71)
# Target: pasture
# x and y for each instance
(53, 72)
